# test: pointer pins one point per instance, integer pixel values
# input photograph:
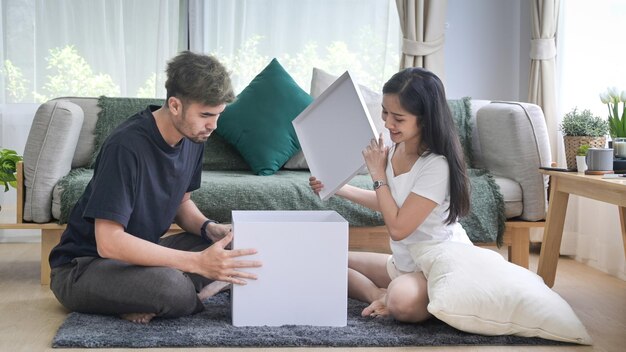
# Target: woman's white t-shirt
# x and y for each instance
(430, 178)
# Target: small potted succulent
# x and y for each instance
(581, 155)
(579, 128)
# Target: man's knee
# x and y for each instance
(176, 294)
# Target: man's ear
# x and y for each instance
(175, 105)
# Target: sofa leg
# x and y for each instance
(519, 246)
(49, 239)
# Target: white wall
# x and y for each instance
(487, 49)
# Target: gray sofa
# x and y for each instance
(505, 143)
(508, 138)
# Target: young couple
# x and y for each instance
(113, 260)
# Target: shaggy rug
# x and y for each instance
(212, 328)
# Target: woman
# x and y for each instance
(420, 187)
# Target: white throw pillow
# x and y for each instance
(475, 290)
(320, 81)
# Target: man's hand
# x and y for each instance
(219, 263)
(217, 231)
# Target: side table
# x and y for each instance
(562, 184)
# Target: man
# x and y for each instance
(111, 258)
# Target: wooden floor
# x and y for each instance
(30, 315)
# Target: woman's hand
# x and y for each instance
(375, 155)
(315, 184)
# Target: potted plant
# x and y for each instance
(8, 167)
(581, 155)
(579, 128)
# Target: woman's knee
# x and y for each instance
(407, 299)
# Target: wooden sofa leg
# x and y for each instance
(49, 239)
(519, 247)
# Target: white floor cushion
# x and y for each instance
(476, 290)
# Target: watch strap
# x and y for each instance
(203, 232)
(379, 183)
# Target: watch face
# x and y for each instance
(377, 184)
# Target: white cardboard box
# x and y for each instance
(304, 277)
(333, 132)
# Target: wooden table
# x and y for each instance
(562, 184)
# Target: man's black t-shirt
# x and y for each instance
(139, 181)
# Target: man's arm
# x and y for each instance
(215, 262)
(191, 219)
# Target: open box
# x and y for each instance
(303, 280)
(333, 132)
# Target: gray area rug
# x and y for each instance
(212, 328)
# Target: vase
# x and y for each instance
(619, 147)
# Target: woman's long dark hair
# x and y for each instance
(422, 94)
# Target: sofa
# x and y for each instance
(505, 144)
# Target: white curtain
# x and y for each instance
(542, 85)
(75, 47)
(359, 35)
(52, 48)
(590, 58)
(423, 29)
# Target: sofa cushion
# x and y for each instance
(258, 122)
(42, 152)
(224, 191)
(512, 195)
(475, 290)
(114, 111)
(221, 155)
(517, 131)
(86, 139)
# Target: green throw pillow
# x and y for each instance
(258, 122)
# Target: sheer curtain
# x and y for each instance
(590, 59)
(360, 35)
(53, 48)
(74, 47)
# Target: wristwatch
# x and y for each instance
(203, 233)
(378, 184)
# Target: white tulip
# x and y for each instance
(605, 98)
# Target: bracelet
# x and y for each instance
(203, 233)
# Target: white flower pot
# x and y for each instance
(581, 164)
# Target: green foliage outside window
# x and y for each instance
(69, 74)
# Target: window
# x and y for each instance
(120, 48)
(591, 53)
(334, 35)
(86, 48)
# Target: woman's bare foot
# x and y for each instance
(212, 289)
(376, 309)
(139, 318)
